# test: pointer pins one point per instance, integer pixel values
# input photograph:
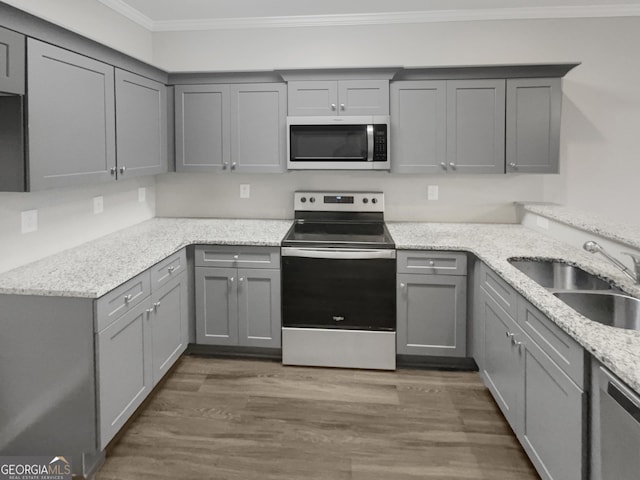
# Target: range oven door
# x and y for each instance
(339, 288)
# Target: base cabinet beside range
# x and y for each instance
(431, 303)
(142, 330)
(536, 373)
(238, 296)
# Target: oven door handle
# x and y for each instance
(339, 253)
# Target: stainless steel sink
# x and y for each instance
(556, 275)
(613, 309)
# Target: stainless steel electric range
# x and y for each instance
(338, 282)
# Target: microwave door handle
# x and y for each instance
(369, 143)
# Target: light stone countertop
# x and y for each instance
(97, 267)
(494, 244)
(590, 222)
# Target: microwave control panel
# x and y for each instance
(380, 143)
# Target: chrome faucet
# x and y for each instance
(594, 247)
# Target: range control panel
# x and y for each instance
(321, 201)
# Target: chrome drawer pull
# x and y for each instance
(127, 298)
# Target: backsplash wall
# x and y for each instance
(477, 198)
(66, 218)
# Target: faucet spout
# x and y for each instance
(594, 247)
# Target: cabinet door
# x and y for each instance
(533, 125)
(216, 306)
(141, 125)
(475, 126)
(432, 315)
(203, 137)
(312, 98)
(418, 126)
(12, 68)
(554, 417)
(258, 127)
(169, 325)
(259, 311)
(71, 118)
(363, 97)
(503, 370)
(124, 370)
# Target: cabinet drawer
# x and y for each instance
(122, 299)
(432, 263)
(237, 256)
(169, 268)
(558, 345)
(499, 290)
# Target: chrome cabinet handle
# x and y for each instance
(431, 263)
(156, 306)
(241, 279)
(234, 165)
(452, 165)
(112, 171)
(512, 165)
(232, 279)
(149, 311)
(443, 165)
(342, 107)
(509, 334)
(225, 165)
(236, 257)
(123, 169)
(403, 285)
(171, 268)
(333, 106)
(127, 298)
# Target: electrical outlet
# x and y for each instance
(142, 194)
(29, 221)
(98, 204)
(432, 192)
(245, 190)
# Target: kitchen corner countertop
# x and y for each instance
(494, 244)
(97, 267)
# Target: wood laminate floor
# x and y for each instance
(250, 419)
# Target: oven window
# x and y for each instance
(339, 293)
(328, 142)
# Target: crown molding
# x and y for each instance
(435, 16)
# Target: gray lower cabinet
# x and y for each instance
(533, 125)
(142, 329)
(71, 111)
(231, 127)
(536, 373)
(431, 304)
(141, 125)
(475, 126)
(238, 296)
(418, 126)
(338, 97)
(12, 62)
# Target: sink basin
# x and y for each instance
(611, 309)
(556, 275)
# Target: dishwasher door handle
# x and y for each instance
(624, 401)
(339, 253)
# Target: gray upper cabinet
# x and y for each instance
(258, 127)
(12, 64)
(533, 125)
(71, 110)
(141, 125)
(475, 126)
(418, 126)
(431, 304)
(338, 97)
(202, 128)
(231, 127)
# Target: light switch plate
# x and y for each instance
(29, 221)
(245, 190)
(98, 204)
(432, 192)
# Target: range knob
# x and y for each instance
(365, 200)
(312, 199)
(303, 199)
(374, 200)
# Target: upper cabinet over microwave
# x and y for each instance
(338, 97)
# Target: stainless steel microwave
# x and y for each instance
(338, 143)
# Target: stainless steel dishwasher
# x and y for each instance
(615, 429)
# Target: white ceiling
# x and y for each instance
(164, 15)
